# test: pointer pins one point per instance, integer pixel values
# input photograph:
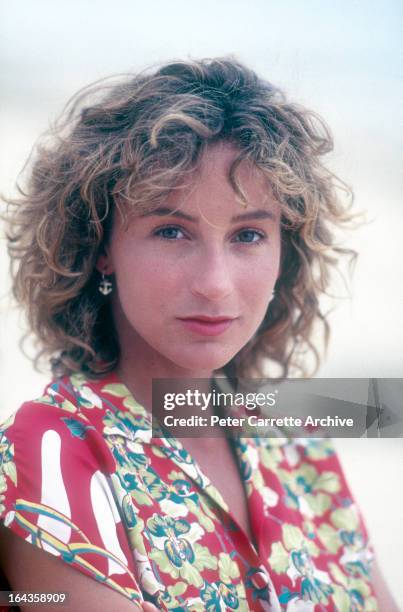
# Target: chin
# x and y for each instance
(204, 360)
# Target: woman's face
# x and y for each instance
(192, 287)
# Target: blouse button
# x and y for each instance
(260, 579)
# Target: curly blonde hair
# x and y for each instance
(127, 146)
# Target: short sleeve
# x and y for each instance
(56, 493)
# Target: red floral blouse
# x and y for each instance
(82, 477)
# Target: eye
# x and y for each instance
(249, 236)
(170, 232)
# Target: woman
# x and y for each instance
(181, 226)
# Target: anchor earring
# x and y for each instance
(105, 286)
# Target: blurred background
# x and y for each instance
(344, 60)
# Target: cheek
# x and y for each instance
(144, 282)
(257, 282)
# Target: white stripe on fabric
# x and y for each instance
(107, 515)
(53, 491)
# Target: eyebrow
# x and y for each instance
(162, 211)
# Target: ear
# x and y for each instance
(104, 264)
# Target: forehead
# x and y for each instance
(224, 181)
(222, 161)
(221, 188)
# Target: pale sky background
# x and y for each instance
(343, 59)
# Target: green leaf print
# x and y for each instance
(141, 498)
(327, 481)
(174, 475)
(181, 526)
(136, 537)
(257, 480)
(350, 586)
(341, 599)
(344, 518)
(271, 457)
(68, 406)
(319, 449)
(293, 537)
(163, 562)
(177, 589)
(204, 558)
(319, 503)
(240, 591)
(278, 559)
(204, 520)
(329, 537)
(216, 496)
(116, 389)
(228, 569)
(287, 478)
(357, 584)
(10, 471)
(311, 548)
(3, 489)
(130, 403)
(189, 573)
(206, 505)
(77, 379)
(308, 472)
(371, 605)
(129, 511)
(338, 575)
(77, 428)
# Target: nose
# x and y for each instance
(211, 275)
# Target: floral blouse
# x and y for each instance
(82, 477)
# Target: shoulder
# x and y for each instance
(74, 420)
(57, 474)
(58, 480)
(73, 403)
(56, 415)
(62, 438)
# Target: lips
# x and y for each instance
(207, 326)
(207, 318)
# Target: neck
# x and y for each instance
(139, 364)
